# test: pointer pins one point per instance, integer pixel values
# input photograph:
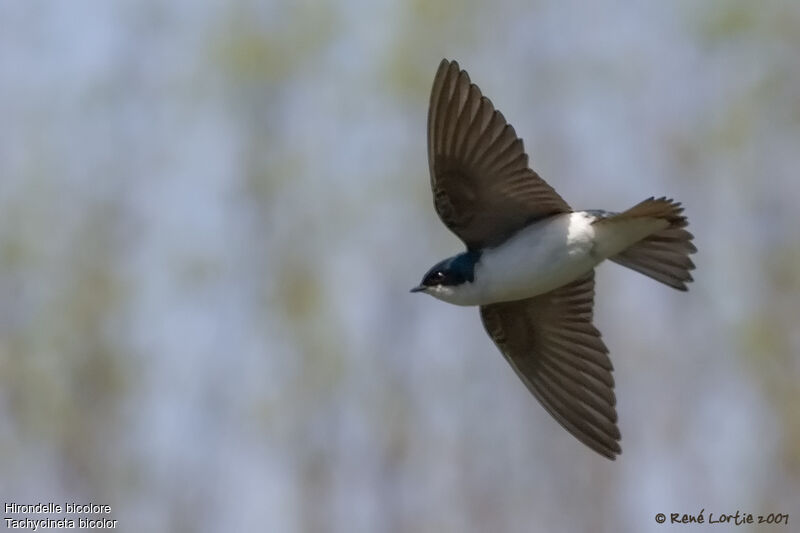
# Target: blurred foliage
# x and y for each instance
(265, 43)
(771, 342)
(62, 375)
(437, 27)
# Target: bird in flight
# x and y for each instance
(530, 258)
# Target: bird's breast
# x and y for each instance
(539, 258)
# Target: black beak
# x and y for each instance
(418, 288)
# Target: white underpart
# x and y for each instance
(546, 255)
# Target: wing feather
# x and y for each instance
(483, 189)
(551, 343)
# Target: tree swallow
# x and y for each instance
(530, 257)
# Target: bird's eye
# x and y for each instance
(437, 277)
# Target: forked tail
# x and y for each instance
(664, 255)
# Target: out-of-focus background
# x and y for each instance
(210, 217)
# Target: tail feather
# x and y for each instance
(663, 255)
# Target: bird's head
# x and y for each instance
(451, 280)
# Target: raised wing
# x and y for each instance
(552, 345)
(483, 189)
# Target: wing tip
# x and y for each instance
(612, 456)
(447, 66)
(610, 452)
(447, 62)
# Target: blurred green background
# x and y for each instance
(211, 214)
